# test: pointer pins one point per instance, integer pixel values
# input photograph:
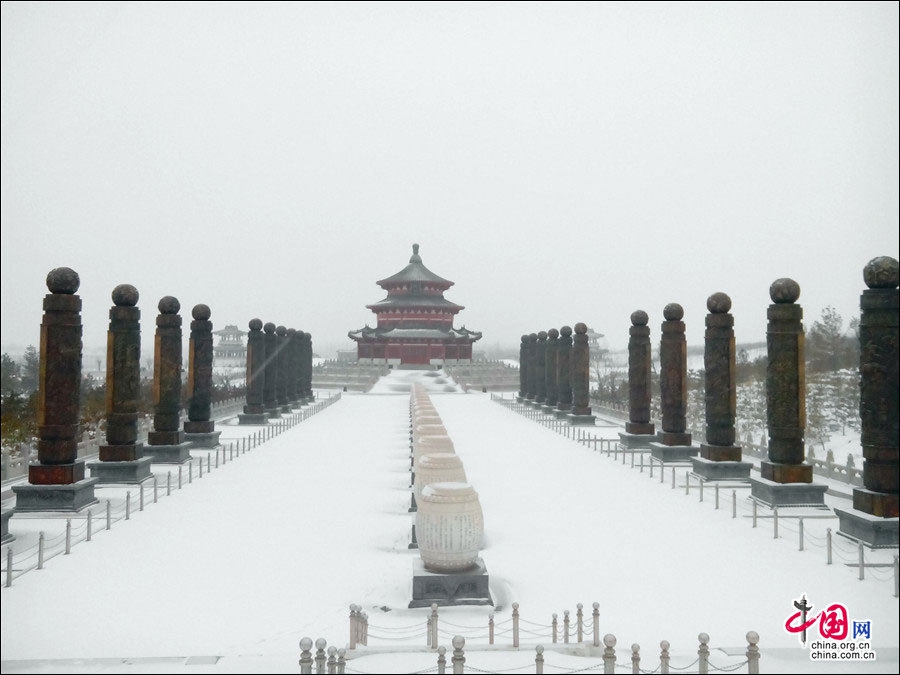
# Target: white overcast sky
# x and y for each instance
(560, 162)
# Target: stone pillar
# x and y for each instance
(540, 372)
(199, 429)
(57, 482)
(297, 368)
(523, 369)
(564, 371)
(580, 365)
(122, 458)
(639, 430)
(306, 364)
(532, 368)
(786, 479)
(674, 444)
(254, 410)
(875, 515)
(720, 458)
(293, 363)
(166, 443)
(282, 370)
(551, 364)
(270, 397)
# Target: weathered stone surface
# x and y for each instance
(167, 375)
(270, 399)
(639, 369)
(564, 369)
(673, 377)
(551, 363)
(540, 376)
(200, 366)
(532, 366)
(523, 367)
(581, 371)
(255, 374)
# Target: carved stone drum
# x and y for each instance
(449, 527)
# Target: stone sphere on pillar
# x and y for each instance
(718, 303)
(169, 305)
(255, 324)
(673, 312)
(125, 295)
(201, 312)
(63, 280)
(784, 291)
(639, 318)
(882, 272)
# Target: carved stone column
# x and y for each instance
(270, 396)
(639, 430)
(564, 371)
(254, 410)
(551, 365)
(720, 458)
(199, 430)
(674, 444)
(580, 365)
(523, 369)
(532, 368)
(786, 479)
(281, 370)
(293, 368)
(874, 518)
(540, 365)
(306, 364)
(57, 482)
(166, 443)
(122, 458)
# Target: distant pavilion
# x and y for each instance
(230, 352)
(414, 322)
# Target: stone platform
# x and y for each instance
(581, 420)
(169, 454)
(672, 453)
(721, 470)
(67, 497)
(787, 494)
(636, 441)
(253, 418)
(7, 537)
(207, 439)
(133, 471)
(469, 587)
(875, 531)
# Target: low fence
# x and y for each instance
(573, 636)
(90, 522)
(808, 529)
(484, 376)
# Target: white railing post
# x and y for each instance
(717, 496)
(9, 567)
(755, 509)
(332, 659)
(352, 643)
(609, 654)
(554, 626)
(566, 627)
(68, 535)
(179, 476)
(342, 660)
(442, 660)
(596, 617)
(459, 656)
(40, 551)
(305, 655)
(89, 518)
(168, 483)
(434, 626)
(108, 515)
(775, 522)
(320, 645)
(703, 654)
(635, 658)
(515, 619)
(579, 623)
(664, 657)
(491, 628)
(141, 498)
(687, 480)
(752, 653)
(539, 659)
(734, 503)
(801, 532)
(128, 505)
(862, 562)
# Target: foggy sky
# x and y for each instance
(559, 162)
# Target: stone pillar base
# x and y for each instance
(469, 587)
(253, 418)
(562, 410)
(204, 427)
(548, 409)
(721, 470)
(273, 413)
(636, 441)
(787, 494)
(786, 473)
(300, 403)
(135, 471)
(7, 537)
(721, 453)
(205, 440)
(71, 497)
(672, 453)
(285, 409)
(872, 530)
(880, 504)
(169, 454)
(640, 428)
(56, 474)
(674, 438)
(581, 420)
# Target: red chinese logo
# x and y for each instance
(833, 624)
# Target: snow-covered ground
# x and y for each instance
(228, 573)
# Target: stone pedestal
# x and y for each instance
(60, 497)
(128, 472)
(673, 453)
(201, 439)
(6, 536)
(581, 420)
(636, 441)
(176, 453)
(774, 493)
(875, 531)
(467, 587)
(721, 469)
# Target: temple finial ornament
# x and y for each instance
(415, 256)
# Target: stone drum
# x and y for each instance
(449, 527)
(439, 467)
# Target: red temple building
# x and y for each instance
(415, 322)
